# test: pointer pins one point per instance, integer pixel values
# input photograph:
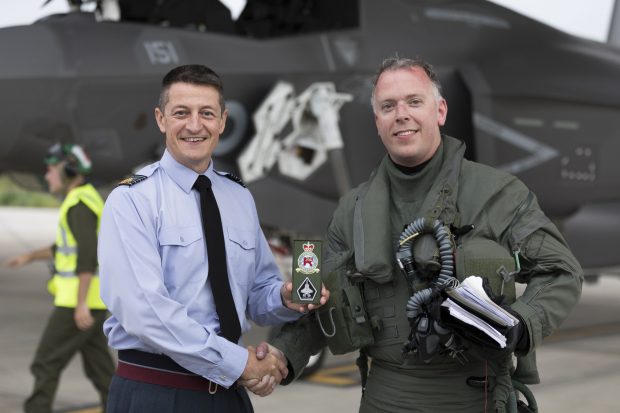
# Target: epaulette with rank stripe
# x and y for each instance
(132, 180)
(234, 178)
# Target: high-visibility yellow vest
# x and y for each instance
(65, 282)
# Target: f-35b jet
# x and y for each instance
(526, 98)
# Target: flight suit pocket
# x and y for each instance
(343, 320)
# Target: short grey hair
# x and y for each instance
(397, 63)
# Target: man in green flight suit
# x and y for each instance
(76, 324)
(500, 234)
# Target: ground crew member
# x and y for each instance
(76, 324)
(495, 219)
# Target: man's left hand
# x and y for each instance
(83, 319)
(286, 292)
(263, 387)
(517, 338)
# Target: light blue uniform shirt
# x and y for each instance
(153, 266)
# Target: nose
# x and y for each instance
(402, 112)
(193, 123)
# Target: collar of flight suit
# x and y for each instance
(371, 220)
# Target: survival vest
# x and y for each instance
(345, 320)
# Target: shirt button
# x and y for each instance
(182, 239)
(223, 378)
(245, 243)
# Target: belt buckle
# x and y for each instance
(212, 387)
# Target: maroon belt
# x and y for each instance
(157, 369)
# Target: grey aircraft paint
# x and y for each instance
(524, 96)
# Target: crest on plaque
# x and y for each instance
(306, 271)
(308, 262)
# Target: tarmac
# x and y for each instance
(579, 364)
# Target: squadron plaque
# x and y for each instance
(307, 266)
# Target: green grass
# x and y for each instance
(12, 194)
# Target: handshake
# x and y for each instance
(267, 365)
(265, 369)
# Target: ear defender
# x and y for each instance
(76, 160)
(70, 171)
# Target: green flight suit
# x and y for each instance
(363, 235)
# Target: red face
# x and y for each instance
(408, 113)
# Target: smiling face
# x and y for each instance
(192, 121)
(408, 113)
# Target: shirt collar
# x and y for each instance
(181, 174)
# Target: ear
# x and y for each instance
(161, 121)
(442, 112)
(223, 123)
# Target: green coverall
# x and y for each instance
(363, 238)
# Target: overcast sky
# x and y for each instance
(588, 19)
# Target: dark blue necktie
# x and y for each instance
(218, 273)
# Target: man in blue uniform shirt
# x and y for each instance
(167, 323)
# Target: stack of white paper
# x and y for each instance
(469, 301)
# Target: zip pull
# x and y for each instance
(516, 251)
(505, 276)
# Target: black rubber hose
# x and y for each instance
(404, 257)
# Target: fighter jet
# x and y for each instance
(307, 292)
(525, 97)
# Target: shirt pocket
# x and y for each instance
(182, 259)
(179, 236)
(241, 252)
(180, 247)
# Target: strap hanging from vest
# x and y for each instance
(362, 364)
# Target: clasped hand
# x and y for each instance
(265, 369)
(266, 366)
